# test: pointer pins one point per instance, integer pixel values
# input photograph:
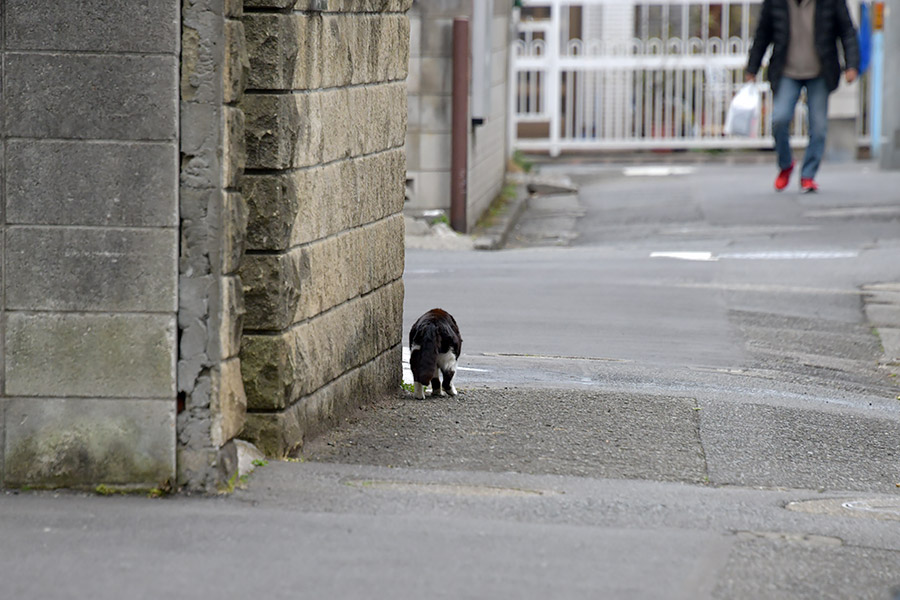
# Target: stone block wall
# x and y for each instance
(430, 109)
(127, 356)
(325, 118)
(212, 403)
(88, 242)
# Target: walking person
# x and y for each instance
(804, 36)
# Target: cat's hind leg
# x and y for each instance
(448, 381)
(436, 386)
(447, 366)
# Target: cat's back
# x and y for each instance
(440, 320)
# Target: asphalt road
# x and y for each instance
(669, 389)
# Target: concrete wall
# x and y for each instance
(325, 130)
(430, 89)
(89, 242)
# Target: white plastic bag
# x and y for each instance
(743, 114)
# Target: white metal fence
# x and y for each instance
(632, 74)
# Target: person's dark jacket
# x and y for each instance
(832, 23)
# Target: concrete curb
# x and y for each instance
(882, 306)
(527, 185)
(495, 236)
(421, 235)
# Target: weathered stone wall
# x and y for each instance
(89, 242)
(123, 226)
(430, 109)
(325, 129)
(212, 403)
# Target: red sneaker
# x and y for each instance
(807, 185)
(783, 177)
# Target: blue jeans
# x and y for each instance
(783, 111)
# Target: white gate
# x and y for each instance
(632, 74)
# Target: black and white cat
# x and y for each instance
(434, 345)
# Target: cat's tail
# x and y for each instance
(423, 354)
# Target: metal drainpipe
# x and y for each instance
(459, 125)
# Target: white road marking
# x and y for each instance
(771, 255)
(861, 211)
(421, 272)
(553, 357)
(407, 372)
(791, 255)
(701, 256)
(657, 171)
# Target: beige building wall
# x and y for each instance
(430, 88)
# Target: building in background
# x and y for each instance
(428, 139)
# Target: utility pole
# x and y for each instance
(889, 154)
(843, 112)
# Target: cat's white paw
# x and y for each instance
(437, 392)
(452, 390)
(419, 391)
